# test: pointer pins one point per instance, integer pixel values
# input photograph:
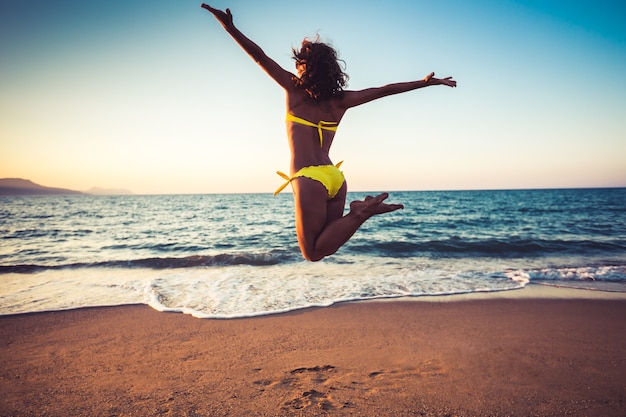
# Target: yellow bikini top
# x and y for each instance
(322, 125)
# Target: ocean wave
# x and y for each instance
(503, 248)
(605, 273)
(157, 247)
(223, 259)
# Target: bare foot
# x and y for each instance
(372, 206)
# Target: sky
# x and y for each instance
(156, 98)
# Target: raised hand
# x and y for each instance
(225, 18)
(430, 79)
(448, 81)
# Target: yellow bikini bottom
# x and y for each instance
(328, 175)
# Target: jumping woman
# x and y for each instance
(316, 103)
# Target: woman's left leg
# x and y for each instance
(320, 225)
(313, 213)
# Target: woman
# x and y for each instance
(316, 103)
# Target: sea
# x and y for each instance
(236, 255)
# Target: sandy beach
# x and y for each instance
(491, 356)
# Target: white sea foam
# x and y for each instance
(239, 291)
(244, 290)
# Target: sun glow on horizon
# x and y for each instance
(170, 104)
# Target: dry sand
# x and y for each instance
(486, 357)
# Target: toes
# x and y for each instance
(374, 205)
(376, 200)
(382, 197)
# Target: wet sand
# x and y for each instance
(494, 356)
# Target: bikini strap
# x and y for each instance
(322, 125)
(282, 187)
(288, 179)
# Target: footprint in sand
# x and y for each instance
(327, 388)
(429, 368)
(313, 385)
(309, 398)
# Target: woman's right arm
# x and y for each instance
(356, 98)
(283, 77)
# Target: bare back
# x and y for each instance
(304, 141)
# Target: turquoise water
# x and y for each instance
(236, 255)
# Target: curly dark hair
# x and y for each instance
(323, 76)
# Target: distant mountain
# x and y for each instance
(18, 186)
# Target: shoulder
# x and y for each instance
(353, 98)
(347, 98)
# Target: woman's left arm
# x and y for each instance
(356, 98)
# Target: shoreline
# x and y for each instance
(495, 356)
(530, 291)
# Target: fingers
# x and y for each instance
(216, 11)
(449, 81)
(206, 6)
